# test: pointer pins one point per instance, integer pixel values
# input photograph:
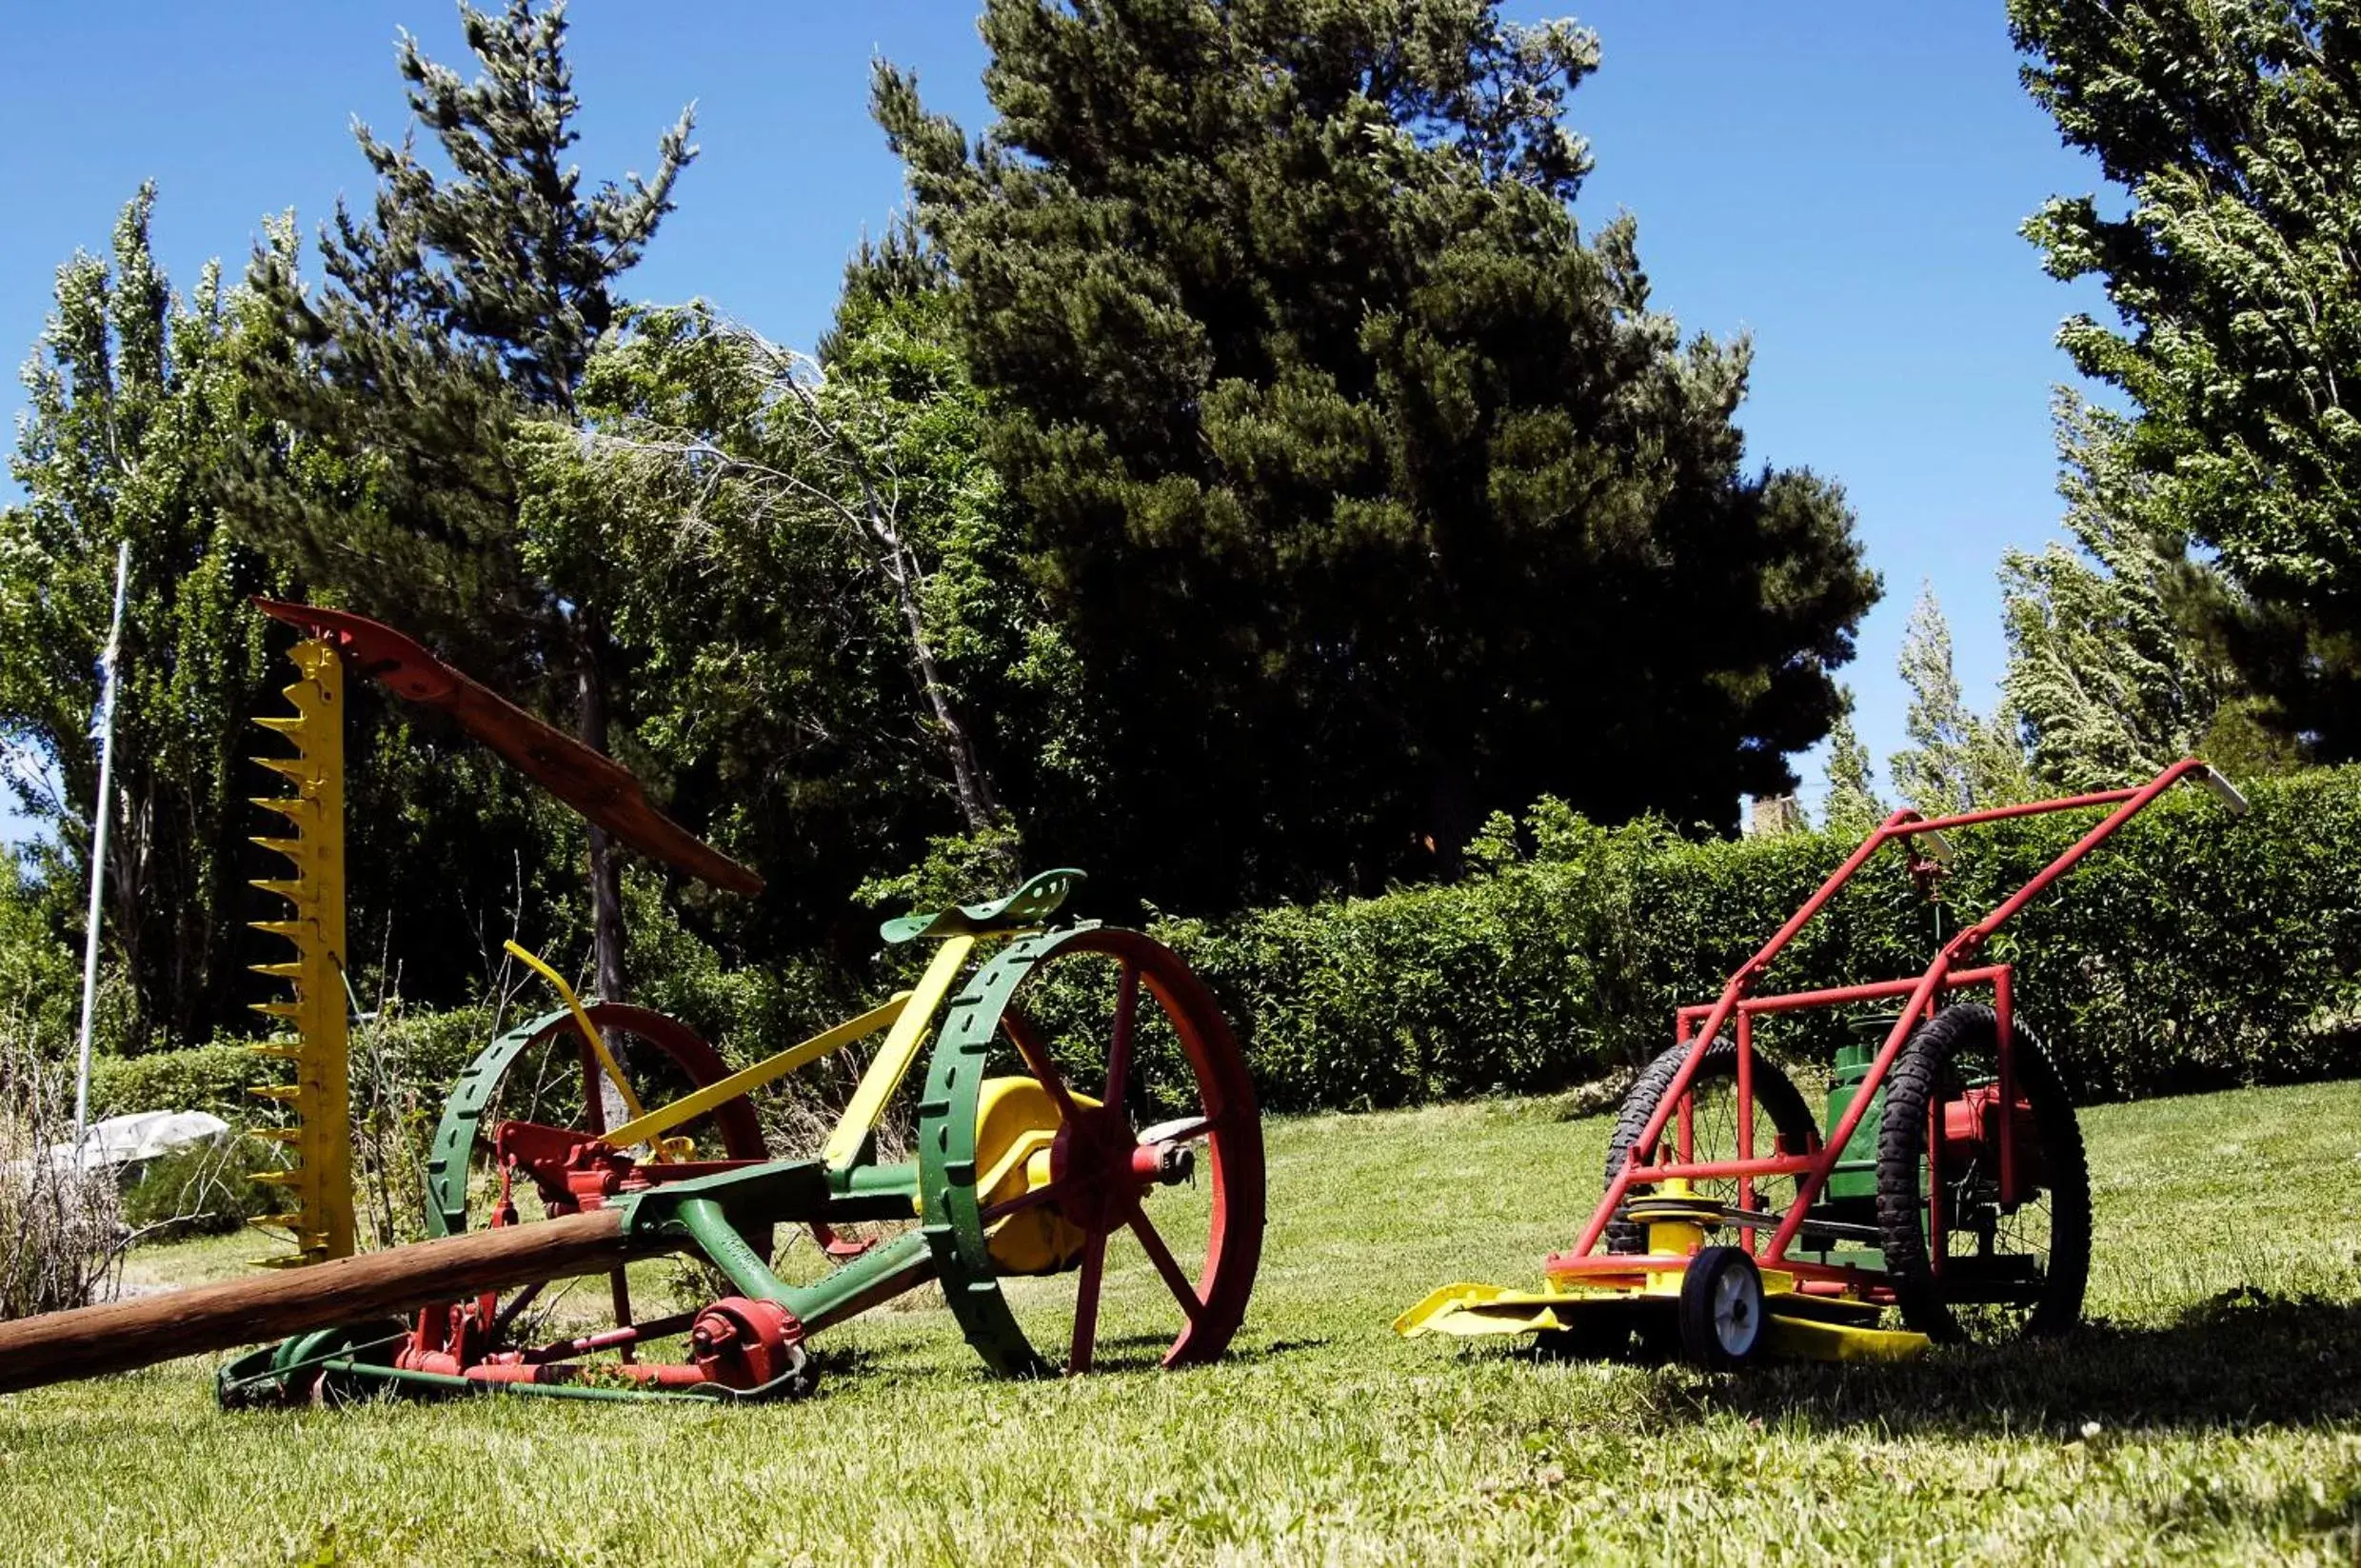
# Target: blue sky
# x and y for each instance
(1841, 179)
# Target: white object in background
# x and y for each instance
(98, 839)
(131, 1140)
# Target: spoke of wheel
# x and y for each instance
(1153, 1244)
(1028, 1043)
(1118, 1056)
(1086, 1304)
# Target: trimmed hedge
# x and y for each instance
(2192, 951)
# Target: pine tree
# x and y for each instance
(1371, 495)
(464, 302)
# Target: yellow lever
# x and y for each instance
(581, 1022)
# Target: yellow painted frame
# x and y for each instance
(892, 1059)
(908, 1016)
(688, 1106)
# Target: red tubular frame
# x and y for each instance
(1699, 1025)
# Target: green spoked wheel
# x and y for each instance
(542, 1072)
(1090, 1158)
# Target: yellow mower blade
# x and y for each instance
(1808, 1339)
(1475, 1312)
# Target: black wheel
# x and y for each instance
(1713, 1127)
(2010, 1264)
(1721, 1309)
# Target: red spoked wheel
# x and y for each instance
(1090, 1156)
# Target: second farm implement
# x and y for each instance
(1951, 1188)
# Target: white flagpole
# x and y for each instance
(98, 847)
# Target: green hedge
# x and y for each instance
(2192, 951)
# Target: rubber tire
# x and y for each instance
(1774, 1094)
(1918, 1074)
(1701, 1283)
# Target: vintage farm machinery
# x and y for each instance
(1949, 1190)
(1080, 1083)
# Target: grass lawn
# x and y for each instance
(2213, 1410)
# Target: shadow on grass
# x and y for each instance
(2244, 1360)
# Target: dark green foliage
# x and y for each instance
(203, 1189)
(458, 303)
(133, 410)
(1370, 496)
(2234, 129)
(841, 657)
(2192, 952)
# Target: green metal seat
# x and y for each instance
(1020, 910)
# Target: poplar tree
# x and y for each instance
(1957, 760)
(2232, 132)
(133, 408)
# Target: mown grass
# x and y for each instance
(2213, 1410)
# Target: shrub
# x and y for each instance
(61, 1231)
(203, 1189)
(202, 1078)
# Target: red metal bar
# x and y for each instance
(1746, 1121)
(1792, 1001)
(1721, 1170)
(629, 1334)
(1976, 936)
(1825, 1163)
(2005, 1014)
(2031, 808)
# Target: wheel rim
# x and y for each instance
(1968, 1265)
(1978, 1229)
(1738, 1312)
(1780, 1117)
(1142, 1069)
(1714, 1135)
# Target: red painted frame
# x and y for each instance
(1699, 1024)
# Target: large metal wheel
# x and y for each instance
(1085, 1088)
(1969, 1260)
(1782, 1123)
(544, 1072)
